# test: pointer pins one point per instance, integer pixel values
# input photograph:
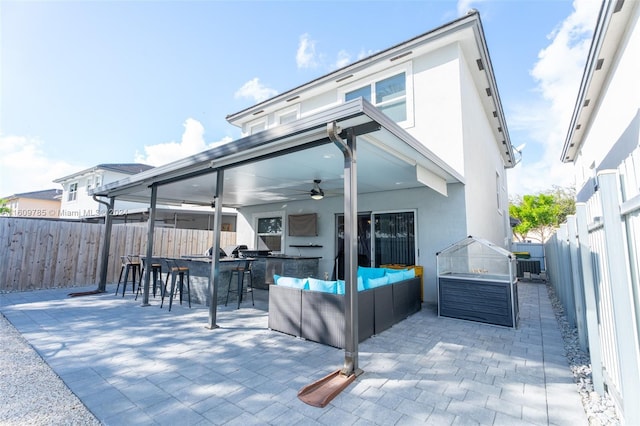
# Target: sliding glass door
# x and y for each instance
(394, 238)
(383, 238)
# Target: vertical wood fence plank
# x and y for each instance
(40, 253)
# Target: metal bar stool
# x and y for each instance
(177, 273)
(156, 272)
(242, 270)
(130, 263)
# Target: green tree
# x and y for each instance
(4, 208)
(540, 214)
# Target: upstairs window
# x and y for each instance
(389, 95)
(73, 192)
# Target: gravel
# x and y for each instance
(600, 409)
(31, 393)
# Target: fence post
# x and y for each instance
(566, 292)
(591, 306)
(621, 295)
(578, 294)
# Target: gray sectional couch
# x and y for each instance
(320, 316)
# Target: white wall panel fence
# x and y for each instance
(593, 263)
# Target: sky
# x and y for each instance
(84, 83)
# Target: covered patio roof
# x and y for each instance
(280, 164)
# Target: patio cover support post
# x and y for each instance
(151, 226)
(348, 149)
(106, 244)
(215, 252)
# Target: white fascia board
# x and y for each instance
(431, 180)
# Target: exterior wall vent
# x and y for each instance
(488, 89)
(402, 55)
(292, 99)
(344, 78)
(480, 64)
(599, 64)
(258, 112)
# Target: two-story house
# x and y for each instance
(76, 203)
(35, 204)
(410, 144)
(603, 143)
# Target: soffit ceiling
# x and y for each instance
(280, 164)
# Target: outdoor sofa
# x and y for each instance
(314, 309)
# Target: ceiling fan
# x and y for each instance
(316, 192)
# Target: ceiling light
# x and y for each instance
(316, 193)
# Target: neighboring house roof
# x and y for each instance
(46, 194)
(607, 39)
(125, 168)
(466, 30)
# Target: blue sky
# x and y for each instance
(90, 82)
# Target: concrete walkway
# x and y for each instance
(144, 365)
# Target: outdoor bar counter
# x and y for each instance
(263, 268)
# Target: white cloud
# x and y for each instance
(557, 75)
(306, 55)
(191, 143)
(344, 58)
(255, 90)
(26, 167)
(366, 53)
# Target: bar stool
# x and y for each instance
(130, 263)
(156, 271)
(241, 272)
(176, 272)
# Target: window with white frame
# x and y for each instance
(257, 126)
(73, 191)
(89, 183)
(287, 115)
(388, 94)
(499, 192)
(269, 233)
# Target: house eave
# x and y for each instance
(609, 31)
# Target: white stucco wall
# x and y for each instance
(486, 191)
(437, 105)
(439, 223)
(616, 109)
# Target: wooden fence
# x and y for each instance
(40, 253)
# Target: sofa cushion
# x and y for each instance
(366, 273)
(376, 282)
(395, 275)
(409, 273)
(323, 286)
(342, 285)
(291, 282)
